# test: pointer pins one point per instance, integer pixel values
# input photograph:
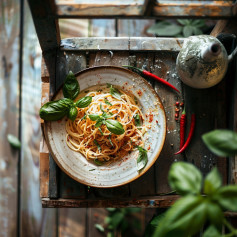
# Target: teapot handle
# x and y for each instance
(232, 55)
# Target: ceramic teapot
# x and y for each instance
(203, 61)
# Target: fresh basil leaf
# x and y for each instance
(184, 218)
(107, 102)
(214, 213)
(185, 178)
(142, 158)
(83, 102)
(99, 122)
(110, 140)
(72, 113)
(137, 120)
(212, 232)
(221, 142)
(71, 87)
(94, 117)
(101, 131)
(14, 141)
(115, 93)
(55, 110)
(99, 227)
(212, 181)
(114, 126)
(98, 145)
(97, 162)
(227, 197)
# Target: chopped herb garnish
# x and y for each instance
(101, 131)
(110, 140)
(115, 93)
(97, 162)
(91, 169)
(98, 145)
(107, 102)
(101, 108)
(137, 119)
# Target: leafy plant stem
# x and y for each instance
(230, 227)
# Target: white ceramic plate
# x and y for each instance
(125, 170)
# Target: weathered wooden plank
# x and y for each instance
(122, 43)
(207, 9)
(53, 178)
(33, 221)
(44, 72)
(44, 169)
(102, 28)
(145, 202)
(155, 44)
(134, 28)
(95, 8)
(9, 104)
(45, 24)
(72, 222)
(164, 67)
(95, 43)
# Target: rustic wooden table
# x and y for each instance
(213, 108)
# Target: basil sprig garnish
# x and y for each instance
(107, 102)
(71, 87)
(55, 110)
(142, 158)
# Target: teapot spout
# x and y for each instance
(232, 55)
(211, 52)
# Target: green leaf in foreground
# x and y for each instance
(55, 110)
(227, 197)
(212, 181)
(142, 158)
(71, 87)
(152, 225)
(97, 162)
(99, 227)
(221, 142)
(184, 218)
(83, 102)
(107, 102)
(14, 141)
(185, 178)
(94, 117)
(212, 232)
(114, 126)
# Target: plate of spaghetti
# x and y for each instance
(114, 131)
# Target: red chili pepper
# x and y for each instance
(182, 128)
(189, 135)
(146, 73)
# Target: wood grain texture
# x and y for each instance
(44, 170)
(9, 104)
(164, 67)
(72, 222)
(34, 221)
(145, 202)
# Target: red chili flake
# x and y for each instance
(156, 121)
(123, 87)
(177, 103)
(149, 147)
(139, 92)
(150, 118)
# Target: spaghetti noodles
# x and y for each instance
(90, 135)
